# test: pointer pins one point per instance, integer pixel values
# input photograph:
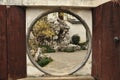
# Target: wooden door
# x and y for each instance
(3, 44)
(106, 43)
(12, 43)
(16, 42)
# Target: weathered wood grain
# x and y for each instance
(106, 58)
(16, 42)
(3, 44)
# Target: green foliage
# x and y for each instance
(47, 49)
(43, 61)
(83, 45)
(83, 48)
(75, 39)
(69, 50)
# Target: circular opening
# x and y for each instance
(59, 42)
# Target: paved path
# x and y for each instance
(62, 62)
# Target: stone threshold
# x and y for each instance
(59, 78)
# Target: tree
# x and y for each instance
(76, 39)
(42, 31)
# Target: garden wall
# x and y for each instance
(33, 12)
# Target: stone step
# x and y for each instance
(60, 78)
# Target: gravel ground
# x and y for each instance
(62, 62)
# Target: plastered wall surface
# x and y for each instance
(72, 3)
(33, 12)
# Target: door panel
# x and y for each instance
(97, 42)
(3, 47)
(16, 42)
(107, 64)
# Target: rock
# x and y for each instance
(56, 48)
(37, 54)
(55, 37)
(32, 52)
(76, 47)
(71, 45)
(69, 49)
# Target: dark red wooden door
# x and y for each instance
(16, 42)
(3, 45)
(12, 43)
(106, 44)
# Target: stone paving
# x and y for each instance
(62, 62)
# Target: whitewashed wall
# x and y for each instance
(72, 3)
(2, 2)
(34, 12)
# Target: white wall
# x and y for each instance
(72, 3)
(33, 12)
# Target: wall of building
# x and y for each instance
(33, 12)
(72, 3)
